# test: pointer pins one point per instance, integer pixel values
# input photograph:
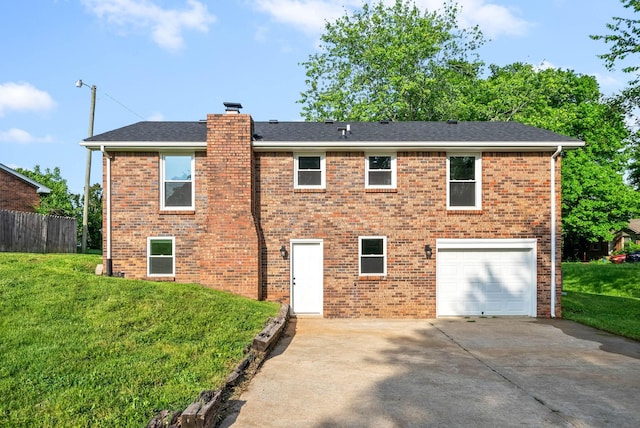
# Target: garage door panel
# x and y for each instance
(468, 306)
(489, 281)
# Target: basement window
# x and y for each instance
(161, 256)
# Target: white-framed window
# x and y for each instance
(309, 170)
(161, 258)
(380, 171)
(372, 254)
(177, 189)
(464, 181)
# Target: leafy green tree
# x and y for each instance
(63, 203)
(59, 201)
(547, 98)
(395, 62)
(634, 164)
(624, 39)
(391, 62)
(94, 216)
(596, 201)
(94, 238)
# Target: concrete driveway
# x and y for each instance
(481, 372)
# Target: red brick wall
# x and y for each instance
(16, 195)
(515, 205)
(229, 251)
(136, 215)
(217, 243)
(247, 208)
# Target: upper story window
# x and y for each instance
(464, 172)
(309, 171)
(373, 255)
(380, 171)
(177, 191)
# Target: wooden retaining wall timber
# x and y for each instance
(205, 411)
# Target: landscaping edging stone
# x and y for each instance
(205, 412)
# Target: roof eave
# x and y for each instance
(342, 146)
(150, 146)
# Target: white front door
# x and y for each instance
(306, 277)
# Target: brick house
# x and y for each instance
(375, 219)
(630, 234)
(18, 192)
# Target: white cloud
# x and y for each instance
(610, 83)
(23, 97)
(20, 136)
(309, 16)
(165, 25)
(494, 20)
(156, 117)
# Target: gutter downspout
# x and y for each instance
(109, 267)
(553, 230)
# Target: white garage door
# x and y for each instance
(486, 277)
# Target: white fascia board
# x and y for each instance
(347, 146)
(150, 146)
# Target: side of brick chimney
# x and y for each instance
(230, 246)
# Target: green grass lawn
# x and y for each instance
(81, 350)
(603, 295)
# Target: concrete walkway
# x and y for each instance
(481, 372)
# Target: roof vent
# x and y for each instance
(344, 130)
(328, 121)
(273, 121)
(232, 107)
(384, 121)
(452, 122)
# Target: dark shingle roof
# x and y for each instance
(405, 131)
(324, 132)
(156, 131)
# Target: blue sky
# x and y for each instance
(181, 59)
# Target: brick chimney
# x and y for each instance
(230, 246)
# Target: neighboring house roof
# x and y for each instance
(634, 225)
(274, 135)
(39, 187)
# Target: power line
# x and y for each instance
(124, 106)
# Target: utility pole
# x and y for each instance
(87, 177)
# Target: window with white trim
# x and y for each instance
(177, 189)
(464, 184)
(161, 256)
(380, 171)
(372, 252)
(309, 171)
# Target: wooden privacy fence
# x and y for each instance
(22, 232)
